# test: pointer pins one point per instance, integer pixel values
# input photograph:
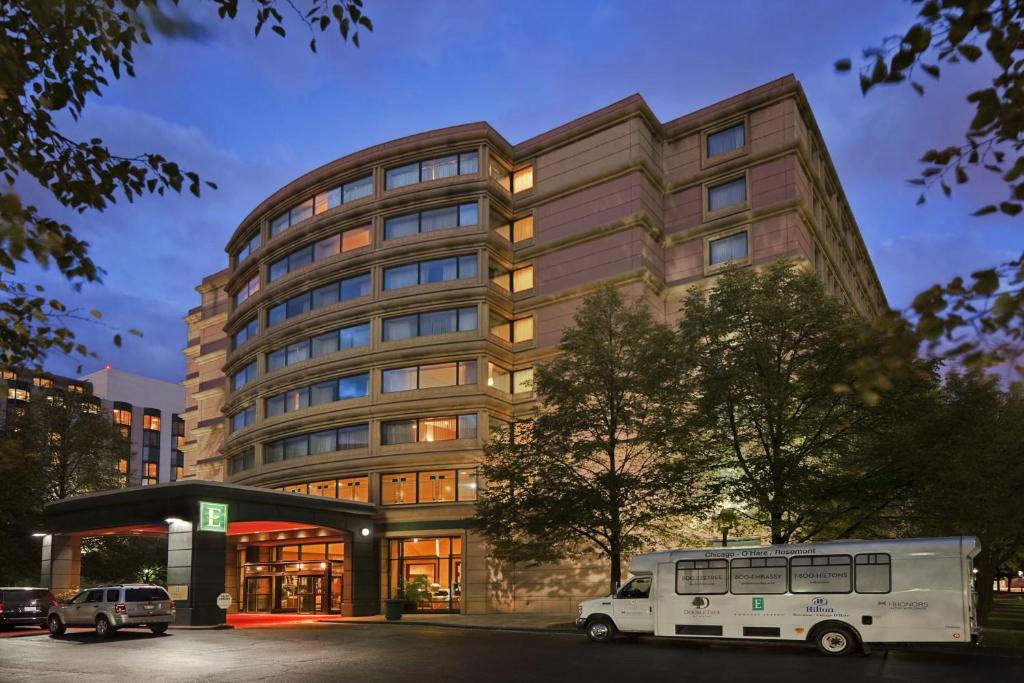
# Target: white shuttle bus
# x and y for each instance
(841, 595)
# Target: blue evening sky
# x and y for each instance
(252, 114)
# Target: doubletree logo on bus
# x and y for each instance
(213, 517)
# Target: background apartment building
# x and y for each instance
(382, 315)
(146, 410)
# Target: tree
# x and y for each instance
(591, 469)
(978, 320)
(58, 445)
(770, 362)
(53, 57)
(972, 477)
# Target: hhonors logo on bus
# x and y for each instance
(757, 604)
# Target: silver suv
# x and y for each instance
(109, 608)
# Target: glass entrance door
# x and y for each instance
(257, 594)
(309, 593)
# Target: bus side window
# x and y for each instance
(873, 573)
(702, 577)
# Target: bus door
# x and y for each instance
(632, 606)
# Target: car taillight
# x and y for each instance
(53, 603)
(1, 607)
(120, 608)
(172, 605)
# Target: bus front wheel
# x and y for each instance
(600, 630)
(835, 640)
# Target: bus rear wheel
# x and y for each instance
(600, 630)
(835, 640)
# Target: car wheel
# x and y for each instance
(158, 628)
(103, 627)
(600, 630)
(835, 640)
(55, 626)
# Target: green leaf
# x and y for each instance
(985, 210)
(986, 282)
(1010, 208)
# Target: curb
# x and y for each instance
(469, 627)
(215, 627)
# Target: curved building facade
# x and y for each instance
(381, 315)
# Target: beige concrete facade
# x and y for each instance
(617, 197)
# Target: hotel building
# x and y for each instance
(381, 315)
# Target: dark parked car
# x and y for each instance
(25, 606)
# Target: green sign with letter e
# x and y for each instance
(757, 604)
(213, 517)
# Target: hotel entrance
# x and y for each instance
(304, 578)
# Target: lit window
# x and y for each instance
(151, 422)
(522, 279)
(467, 485)
(522, 229)
(500, 175)
(428, 429)
(9, 375)
(43, 382)
(356, 238)
(437, 486)
(76, 389)
(522, 381)
(522, 180)
(398, 489)
(729, 193)
(522, 329)
(122, 416)
(498, 377)
(726, 249)
(725, 141)
(326, 489)
(354, 488)
(16, 394)
(356, 189)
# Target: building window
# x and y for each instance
(355, 489)
(8, 375)
(408, 224)
(325, 248)
(429, 486)
(245, 460)
(725, 141)
(428, 376)
(522, 381)
(498, 377)
(328, 295)
(327, 441)
(430, 323)
(499, 173)
(247, 332)
(431, 169)
(17, 394)
(512, 331)
(518, 280)
(76, 388)
(350, 337)
(353, 386)
(151, 419)
(522, 229)
(250, 288)
(246, 251)
(428, 429)
(727, 249)
(522, 180)
(428, 272)
(177, 465)
(43, 382)
(730, 193)
(243, 376)
(351, 191)
(243, 418)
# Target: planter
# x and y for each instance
(393, 609)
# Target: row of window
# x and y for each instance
(429, 220)
(348, 337)
(431, 271)
(351, 437)
(351, 191)
(864, 573)
(345, 241)
(432, 169)
(352, 386)
(400, 488)
(327, 295)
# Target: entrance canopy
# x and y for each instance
(202, 520)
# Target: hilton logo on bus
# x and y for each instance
(819, 606)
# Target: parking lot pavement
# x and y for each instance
(382, 653)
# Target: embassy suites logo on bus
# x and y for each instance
(775, 551)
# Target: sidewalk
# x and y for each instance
(541, 622)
